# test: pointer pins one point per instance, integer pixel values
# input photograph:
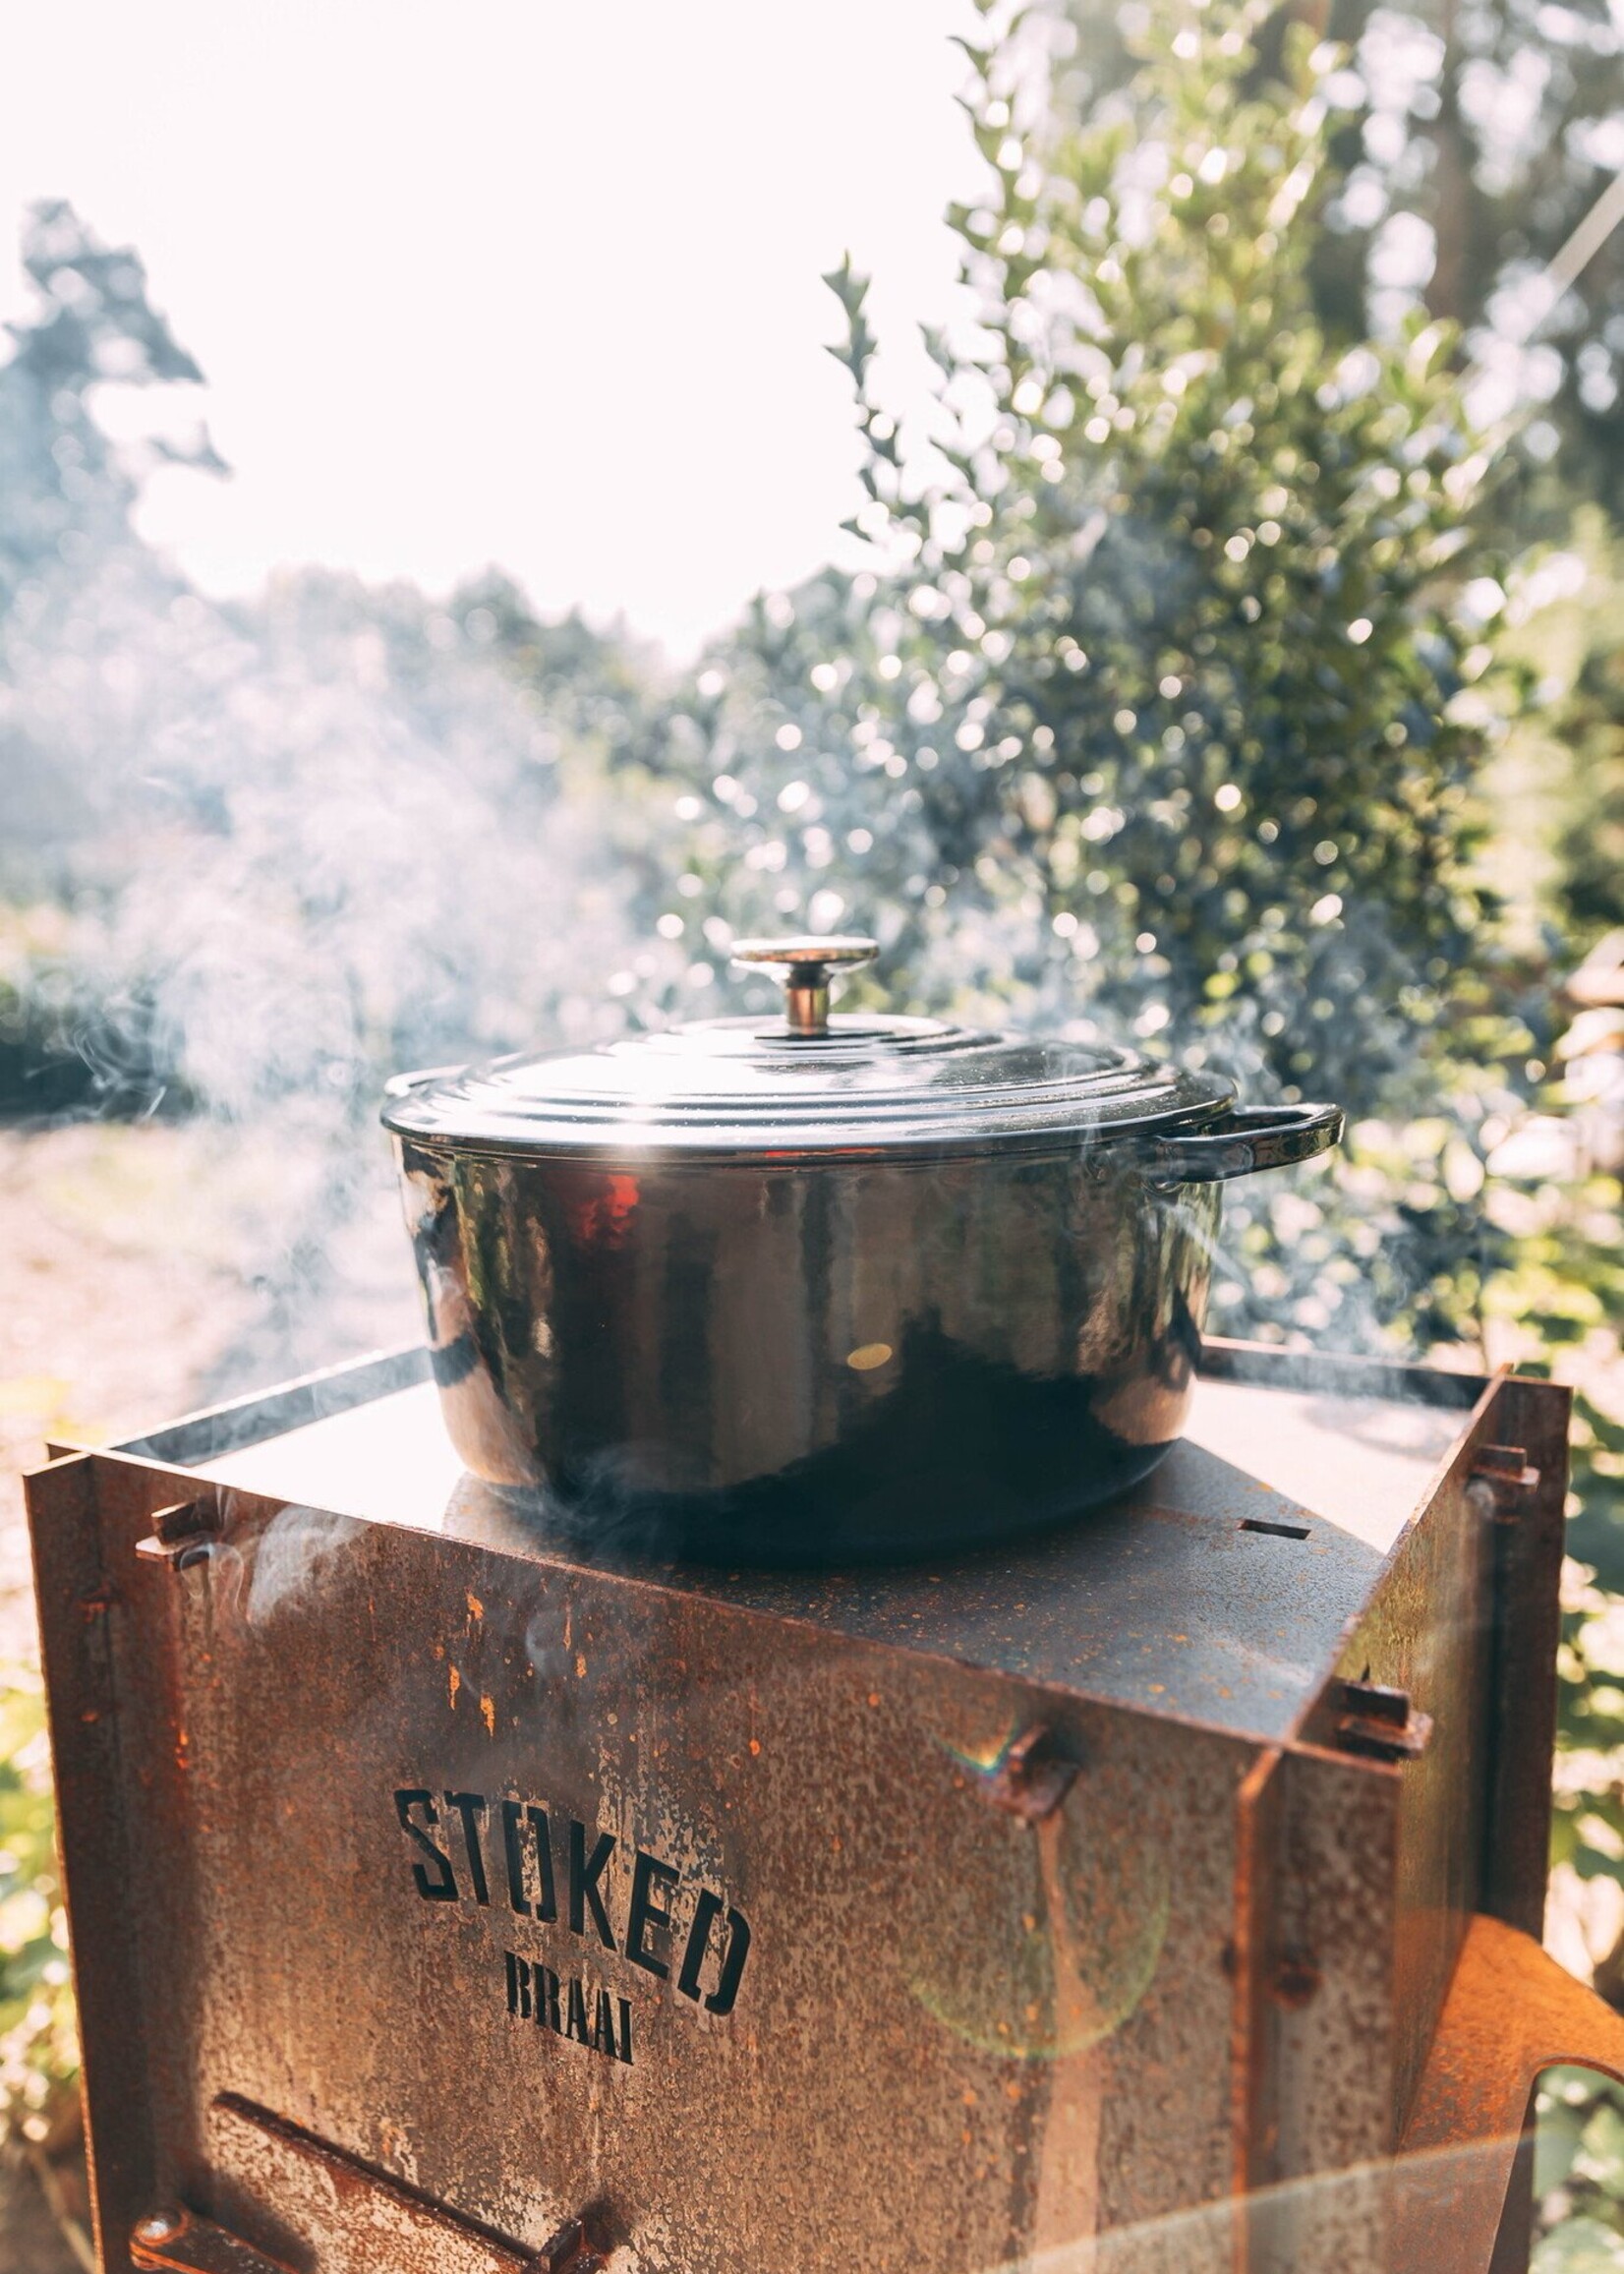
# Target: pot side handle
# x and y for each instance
(1246, 1139)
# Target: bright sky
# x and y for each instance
(508, 280)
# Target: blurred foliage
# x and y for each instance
(1579, 2173)
(1470, 140)
(1165, 710)
(39, 2046)
(66, 492)
(1588, 723)
(1476, 139)
(1165, 704)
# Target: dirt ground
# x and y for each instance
(31, 2241)
(145, 1270)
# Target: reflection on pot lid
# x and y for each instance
(809, 1084)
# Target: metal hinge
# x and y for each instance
(1380, 1723)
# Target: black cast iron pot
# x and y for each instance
(821, 1288)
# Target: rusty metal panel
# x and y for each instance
(281, 2184)
(180, 2242)
(997, 1909)
(994, 2031)
(80, 1609)
(1209, 1592)
(1327, 1834)
(1429, 1635)
(1529, 1527)
(1448, 1624)
(1510, 2013)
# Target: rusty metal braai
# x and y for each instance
(453, 1894)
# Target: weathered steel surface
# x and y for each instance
(1527, 1555)
(1220, 1591)
(281, 2184)
(1510, 2013)
(430, 1875)
(1316, 2085)
(81, 1609)
(956, 2004)
(1429, 1636)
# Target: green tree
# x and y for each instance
(1161, 693)
(1476, 137)
(1160, 706)
(65, 498)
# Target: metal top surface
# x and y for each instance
(721, 1087)
(1218, 1591)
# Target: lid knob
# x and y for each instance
(806, 963)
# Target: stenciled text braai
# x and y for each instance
(557, 1871)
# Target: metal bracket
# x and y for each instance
(1030, 1777)
(173, 2240)
(179, 1533)
(1380, 1723)
(1506, 1471)
(569, 2252)
(333, 2202)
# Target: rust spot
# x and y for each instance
(755, 1744)
(488, 1715)
(1296, 1979)
(580, 1665)
(456, 1684)
(476, 1608)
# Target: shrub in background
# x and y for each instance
(1163, 707)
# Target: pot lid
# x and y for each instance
(807, 1083)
